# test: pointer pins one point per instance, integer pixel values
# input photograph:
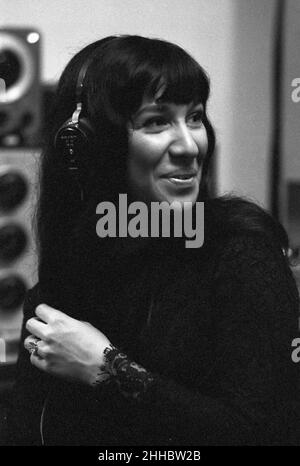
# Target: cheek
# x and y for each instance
(144, 157)
(202, 141)
(144, 153)
(145, 146)
(139, 165)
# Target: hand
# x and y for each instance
(67, 347)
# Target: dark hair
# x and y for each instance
(122, 71)
(230, 215)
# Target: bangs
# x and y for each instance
(161, 67)
(181, 82)
(131, 68)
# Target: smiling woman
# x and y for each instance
(141, 340)
(167, 144)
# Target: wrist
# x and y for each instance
(103, 373)
(133, 380)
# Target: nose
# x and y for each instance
(183, 142)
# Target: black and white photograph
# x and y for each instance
(149, 228)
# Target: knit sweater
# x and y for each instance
(213, 327)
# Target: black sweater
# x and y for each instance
(214, 326)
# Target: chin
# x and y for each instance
(182, 201)
(189, 197)
(172, 192)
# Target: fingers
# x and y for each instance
(37, 360)
(37, 328)
(31, 343)
(41, 328)
(49, 329)
(38, 351)
(46, 313)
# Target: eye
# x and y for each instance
(195, 119)
(156, 124)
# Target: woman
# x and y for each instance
(142, 341)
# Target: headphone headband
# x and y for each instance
(86, 64)
(81, 77)
(74, 139)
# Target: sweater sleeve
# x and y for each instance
(256, 309)
(29, 389)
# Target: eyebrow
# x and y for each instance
(159, 107)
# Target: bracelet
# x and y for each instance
(104, 374)
(133, 380)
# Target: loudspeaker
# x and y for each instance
(19, 169)
(20, 88)
(18, 259)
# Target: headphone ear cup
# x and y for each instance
(87, 131)
(74, 141)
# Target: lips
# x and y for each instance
(181, 179)
(181, 175)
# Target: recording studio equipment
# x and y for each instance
(20, 133)
(18, 169)
(20, 90)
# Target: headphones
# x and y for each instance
(74, 138)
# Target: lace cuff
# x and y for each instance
(132, 379)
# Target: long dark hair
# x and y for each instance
(122, 71)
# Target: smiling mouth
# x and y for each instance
(181, 180)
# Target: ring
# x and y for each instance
(32, 346)
(34, 349)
